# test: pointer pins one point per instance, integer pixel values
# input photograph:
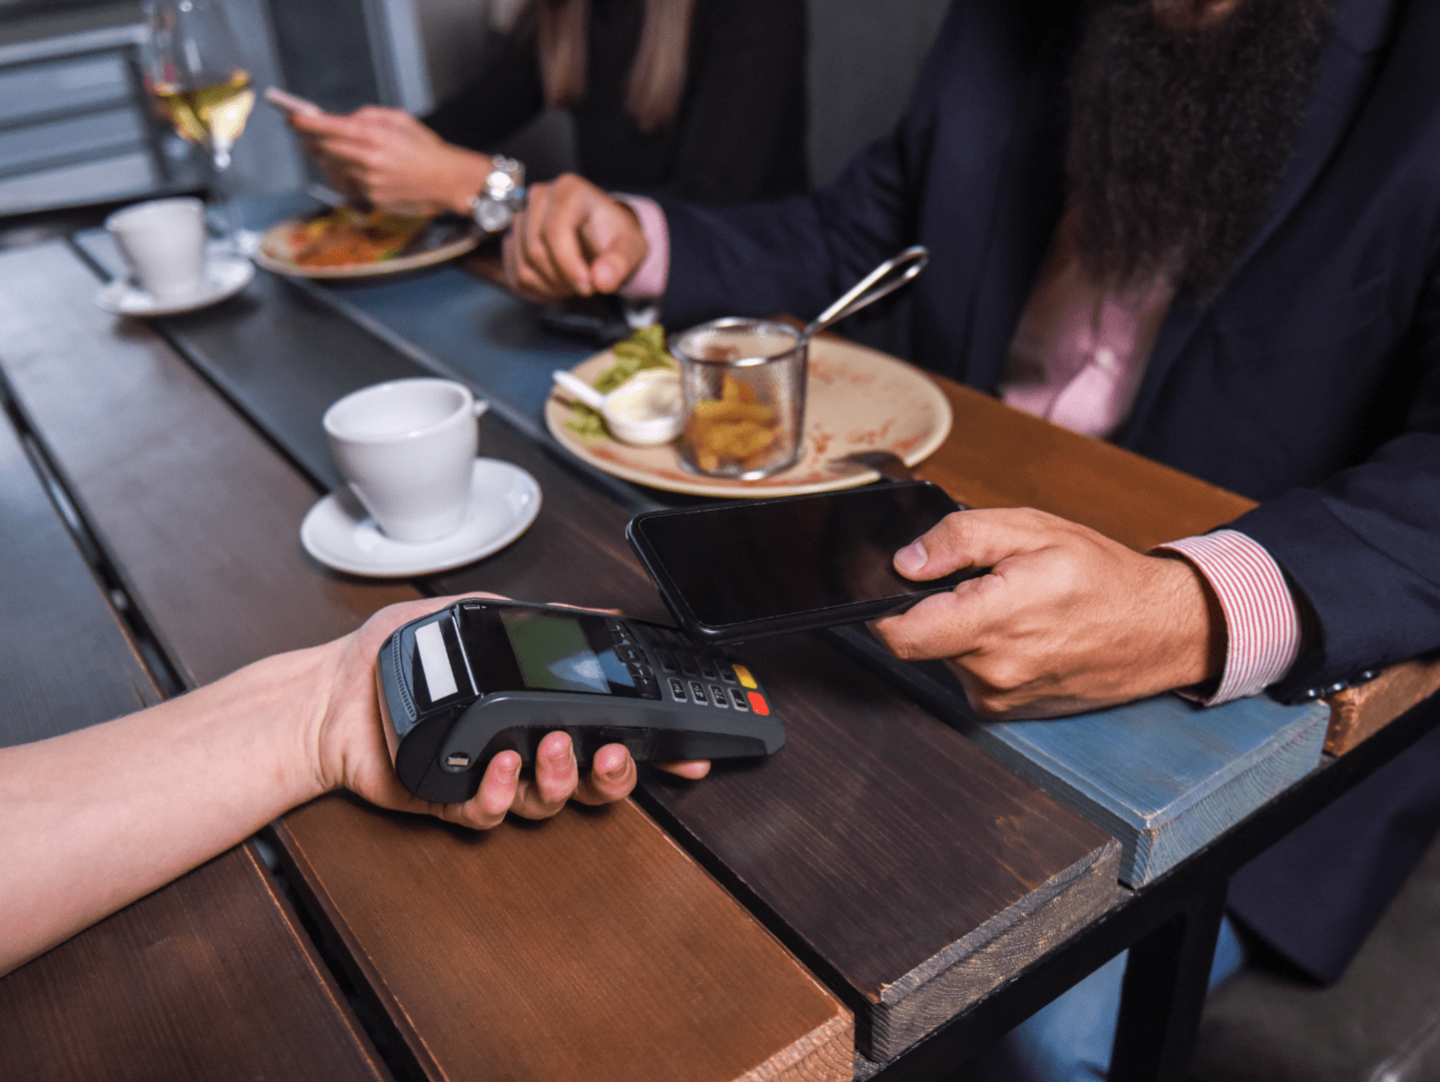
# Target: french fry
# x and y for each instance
(732, 430)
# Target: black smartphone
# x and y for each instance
(599, 319)
(741, 570)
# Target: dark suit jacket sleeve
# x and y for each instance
(1363, 548)
(797, 255)
(793, 256)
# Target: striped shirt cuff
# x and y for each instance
(1262, 621)
(650, 278)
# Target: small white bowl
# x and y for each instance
(645, 410)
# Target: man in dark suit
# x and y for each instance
(1210, 231)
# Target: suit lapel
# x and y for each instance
(1346, 66)
(1025, 206)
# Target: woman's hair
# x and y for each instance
(657, 77)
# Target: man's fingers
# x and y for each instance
(560, 234)
(942, 625)
(609, 271)
(615, 243)
(560, 224)
(572, 238)
(535, 272)
(974, 539)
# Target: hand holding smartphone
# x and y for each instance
(736, 571)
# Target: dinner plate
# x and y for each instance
(857, 399)
(276, 254)
(225, 276)
(504, 500)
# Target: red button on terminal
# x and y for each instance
(758, 703)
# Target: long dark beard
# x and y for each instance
(1178, 138)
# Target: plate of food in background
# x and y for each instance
(352, 243)
(857, 399)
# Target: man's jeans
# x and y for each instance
(1070, 1039)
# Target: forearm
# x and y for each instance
(95, 819)
(455, 177)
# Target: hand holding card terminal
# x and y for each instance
(483, 676)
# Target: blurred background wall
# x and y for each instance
(75, 126)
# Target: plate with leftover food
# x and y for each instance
(351, 243)
(857, 399)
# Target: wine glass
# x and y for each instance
(194, 72)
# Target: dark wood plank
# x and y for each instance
(132, 457)
(151, 992)
(67, 662)
(119, 409)
(922, 874)
(920, 962)
(209, 978)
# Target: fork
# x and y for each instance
(887, 464)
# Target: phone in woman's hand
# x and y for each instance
(290, 103)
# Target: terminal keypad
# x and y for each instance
(636, 662)
(693, 673)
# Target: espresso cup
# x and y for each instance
(163, 244)
(408, 449)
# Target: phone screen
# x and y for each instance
(795, 562)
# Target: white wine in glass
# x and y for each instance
(213, 116)
(194, 72)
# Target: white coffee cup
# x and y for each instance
(163, 243)
(408, 449)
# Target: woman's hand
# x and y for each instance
(350, 748)
(387, 158)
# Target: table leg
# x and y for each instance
(1166, 980)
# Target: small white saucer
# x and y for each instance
(225, 276)
(504, 500)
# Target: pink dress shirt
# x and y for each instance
(1077, 358)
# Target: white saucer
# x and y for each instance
(225, 276)
(504, 500)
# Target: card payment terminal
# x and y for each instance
(483, 676)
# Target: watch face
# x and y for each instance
(492, 216)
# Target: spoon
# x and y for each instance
(645, 410)
(882, 281)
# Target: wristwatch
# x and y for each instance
(503, 194)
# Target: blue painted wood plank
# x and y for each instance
(445, 317)
(1163, 775)
(475, 329)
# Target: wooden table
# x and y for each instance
(932, 892)
(900, 984)
(637, 959)
(213, 976)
